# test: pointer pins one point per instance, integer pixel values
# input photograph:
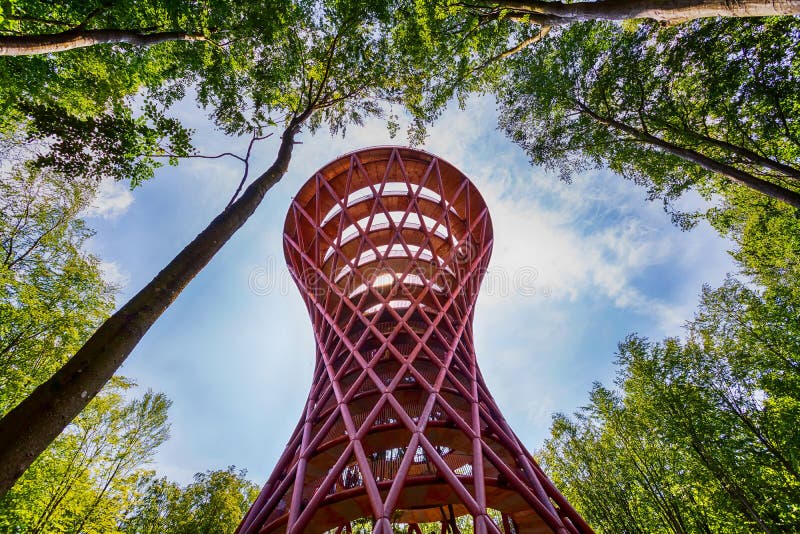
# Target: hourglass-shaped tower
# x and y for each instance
(388, 246)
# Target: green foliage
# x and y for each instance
(448, 51)
(101, 111)
(37, 17)
(84, 481)
(701, 435)
(767, 238)
(213, 504)
(116, 144)
(87, 82)
(78, 105)
(724, 88)
(52, 296)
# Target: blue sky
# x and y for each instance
(574, 270)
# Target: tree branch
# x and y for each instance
(736, 175)
(28, 45)
(661, 10)
(244, 159)
(787, 171)
(201, 156)
(61, 220)
(514, 50)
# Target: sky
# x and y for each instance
(575, 269)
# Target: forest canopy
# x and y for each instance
(698, 432)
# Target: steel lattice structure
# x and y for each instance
(388, 246)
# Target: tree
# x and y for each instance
(701, 435)
(622, 480)
(213, 504)
(52, 294)
(73, 114)
(100, 111)
(39, 28)
(320, 68)
(767, 238)
(549, 13)
(52, 297)
(701, 106)
(471, 39)
(35, 27)
(85, 479)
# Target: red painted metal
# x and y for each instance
(388, 246)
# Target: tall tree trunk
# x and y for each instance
(31, 426)
(736, 175)
(29, 45)
(553, 13)
(746, 153)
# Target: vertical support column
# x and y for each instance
(479, 481)
(300, 475)
(382, 526)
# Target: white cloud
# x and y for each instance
(114, 274)
(595, 237)
(111, 200)
(529, 235)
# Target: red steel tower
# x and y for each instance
(388, 246)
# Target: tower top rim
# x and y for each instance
(307, 191)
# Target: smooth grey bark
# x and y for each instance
(29, 45)
(27, 430)
(554, 13)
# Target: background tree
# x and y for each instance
(100, 111)
(86, 479)
(701, 435)
(466, 43)
(52, 296)
(703, 105)
(766, 235)
(214, 503)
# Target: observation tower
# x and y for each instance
(388, 246)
